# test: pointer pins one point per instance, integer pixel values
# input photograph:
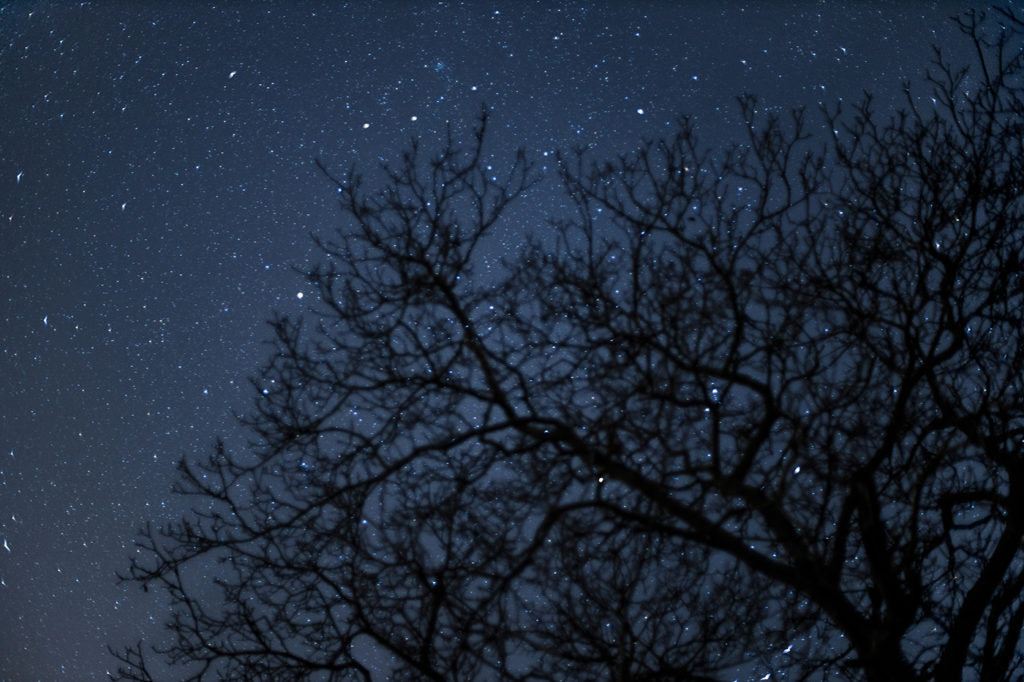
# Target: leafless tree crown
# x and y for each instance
(756, 408)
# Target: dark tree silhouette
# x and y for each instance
(756, 408)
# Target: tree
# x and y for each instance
(760, 406)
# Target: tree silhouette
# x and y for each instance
(751, 408)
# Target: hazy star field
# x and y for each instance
(158, 190)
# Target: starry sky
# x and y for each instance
(158, 189)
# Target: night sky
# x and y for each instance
(158, 188)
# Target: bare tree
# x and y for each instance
(749, 408)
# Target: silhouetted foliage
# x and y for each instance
(749, 408)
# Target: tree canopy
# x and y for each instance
(748, 408)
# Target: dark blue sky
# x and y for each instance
(157, 187)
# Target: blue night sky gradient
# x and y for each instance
(158, 186)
